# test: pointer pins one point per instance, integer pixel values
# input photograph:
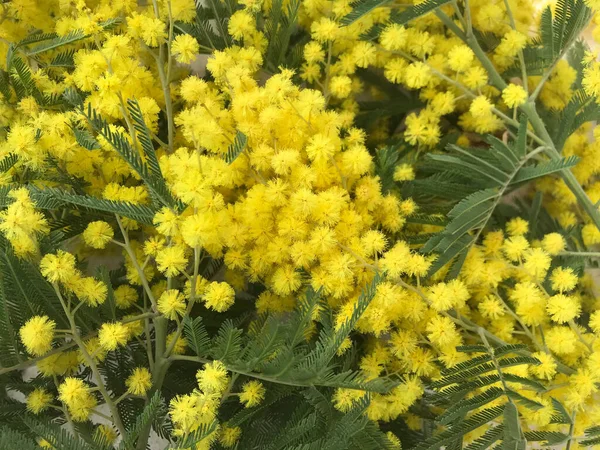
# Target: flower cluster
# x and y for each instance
(169, 210)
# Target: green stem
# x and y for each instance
(588, 254)
(136, 265)
(116, 417)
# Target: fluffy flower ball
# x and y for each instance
(219, 296)
(139, 382)
(113, 335)
(37, 335)
(98, 234)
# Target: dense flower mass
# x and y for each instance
(265, 224)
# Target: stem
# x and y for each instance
(136, 265)
(588, 254)
(90, 362)
(161, 365)
(513, 24)
(190, 305)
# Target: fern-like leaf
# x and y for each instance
(196, 335)
(236, 149)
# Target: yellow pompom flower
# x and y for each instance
(179, 346)
(241, 24)
(213, 378)
(59, 267)
(563, 279)
(171, 260)
(547, 367)
(537, 262)
(139, 382)
(514, 95)
(404, 172)
(253, 392)
(98, 234)
(593, 4)
(74, 393)
(37, 335)
(595, 322)
(219, 296)
(562, 308)
(171, 303)
(393, 37)
(229, 436)
(340, 86)
(553, 243)
(481, 107)
(125, 296)
(113, 335)
(39, 400)
(313, 52)
(460, 58)
(185, 48)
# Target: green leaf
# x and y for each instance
(144, 136)
(57, 42)
(236, 149)
(460, 429)
(63, 59)
(85, 138)
(198, 435)
(492, 435)
(401, 18)
(528, 403)
(550, 438)
(154, 408)
(330, 341)
(227, 345)
(12, 440)
(361, 8)
(156, 184)
(543, 169)
(513, 436)
(196, 335)
(460, 409)
(563, 415)
(52, 198)
(8, 162)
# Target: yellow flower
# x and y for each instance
(38, 400)
(563, 279)
(180, 344)
(139, 382)
(562, 308)
(553, 243)
(113, 335)
(547, 367)
(98, 234)
(171, 260)
(213, 378)
(59, 267)
(219, 296)
(460, 58)
(481, 107)
(393, 37)
(74, 393)
(171, 303)
(125, 296)
(514, 95)
(185, 48)
(241, 24)
(404, 172)
(253, 393)
(37, 335)
(229, 436)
